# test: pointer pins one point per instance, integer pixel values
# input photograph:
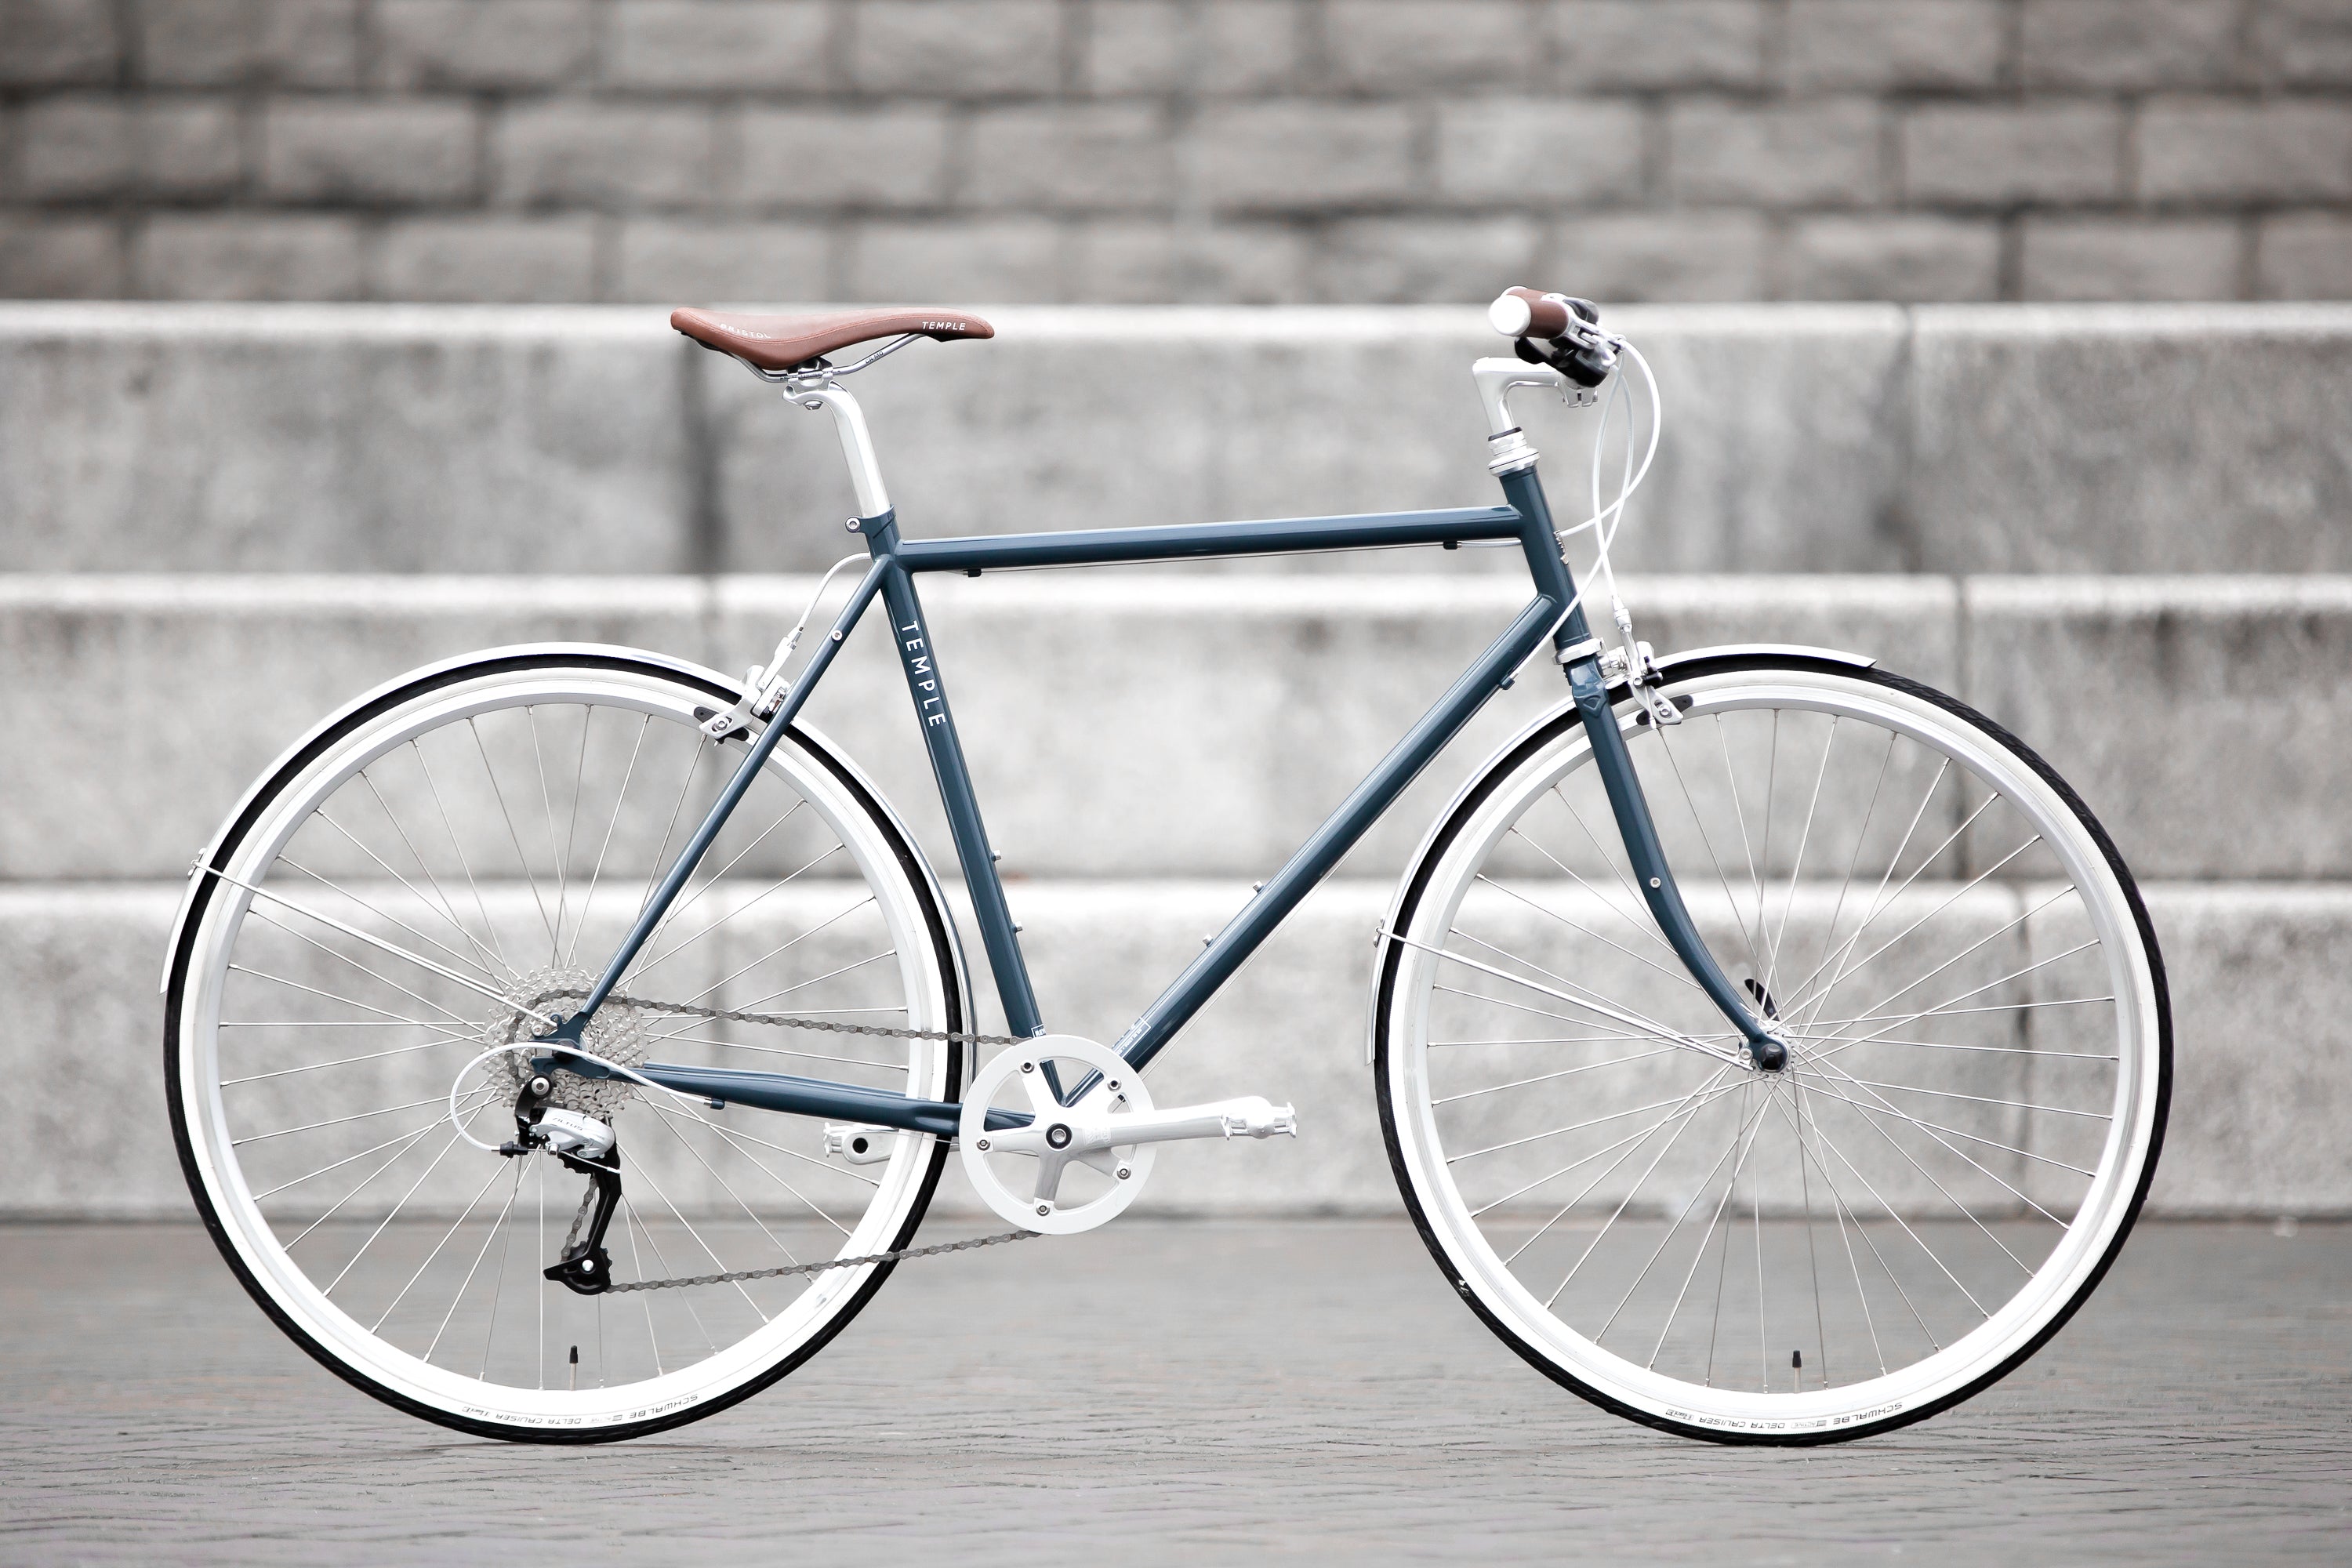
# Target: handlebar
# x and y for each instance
(1566, 327)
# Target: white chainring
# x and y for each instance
(1117, 1090)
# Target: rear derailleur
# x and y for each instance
(583, 1144)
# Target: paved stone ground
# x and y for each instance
(1175, 1392)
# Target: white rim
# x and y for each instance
(2063, 1274)
(398, 1371)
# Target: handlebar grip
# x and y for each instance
(1532, 314)
(1527, 313)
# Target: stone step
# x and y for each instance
(1800, 437)
(2258, 982)
(1180, 724)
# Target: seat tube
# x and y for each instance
(913, 638)
(1611, 759)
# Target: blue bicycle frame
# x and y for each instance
(1553, 613)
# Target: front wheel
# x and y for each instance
(356, 965)
(1980, 1057)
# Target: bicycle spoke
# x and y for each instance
(1558, 1132)
(1993, 935)
(353, 1262)
(498, 1225)
(449, 827)
(555, 848)
(1950, 1011)
(1878, 896)
(1807, 1162)
(377, 942)
(466, 1105)
(492, 961)
(769, 998)
(728, 1187)
(1897, 1215)
(1638, 958)
(499, 793)
(1640, 908)
(708, 1339)
(1818, 999)
(1559, 980)
(1846, 1042)
(1771, 781)
(679, 1215)
(686, 900)
(1744, 1137)
(383, 915)
(605, 846)
(639, 971)
(1730, 902)
(1871, 1116)
(336, 1121)
(1550, 1077)
(1707, 1093)
(781, 948)
(1804, 841)
(1622, 1203)
(1827, 1093)
(1746, 846)
(1616, 1016)
(434, 1044)
(462, 1217)
(1965, 1213)
(1685, 1110)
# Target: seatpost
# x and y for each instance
(820, 391)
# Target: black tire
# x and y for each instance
(322, 742)
(1387, 1006)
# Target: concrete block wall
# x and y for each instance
(1251, 150)
(1807, 438)
(1145, 748)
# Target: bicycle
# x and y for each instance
(441, 955)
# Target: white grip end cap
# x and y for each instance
(1510, 315)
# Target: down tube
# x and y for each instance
(1149, 1034)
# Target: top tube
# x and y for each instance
(1187, 542)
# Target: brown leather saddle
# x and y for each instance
(785, 342)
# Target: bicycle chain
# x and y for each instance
(904, 1252)
(784, 1021)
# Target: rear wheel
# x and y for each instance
(476, 842)
(1979, 1058)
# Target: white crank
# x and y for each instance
(1024, 1173)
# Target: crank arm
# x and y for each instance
(1251, 1116)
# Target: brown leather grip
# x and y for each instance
(1547, 314)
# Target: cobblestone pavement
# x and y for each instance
(1177, 1393)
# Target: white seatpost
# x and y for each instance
(856, 446)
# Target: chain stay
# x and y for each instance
(784, 1021)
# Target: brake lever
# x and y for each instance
(1587, 363)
